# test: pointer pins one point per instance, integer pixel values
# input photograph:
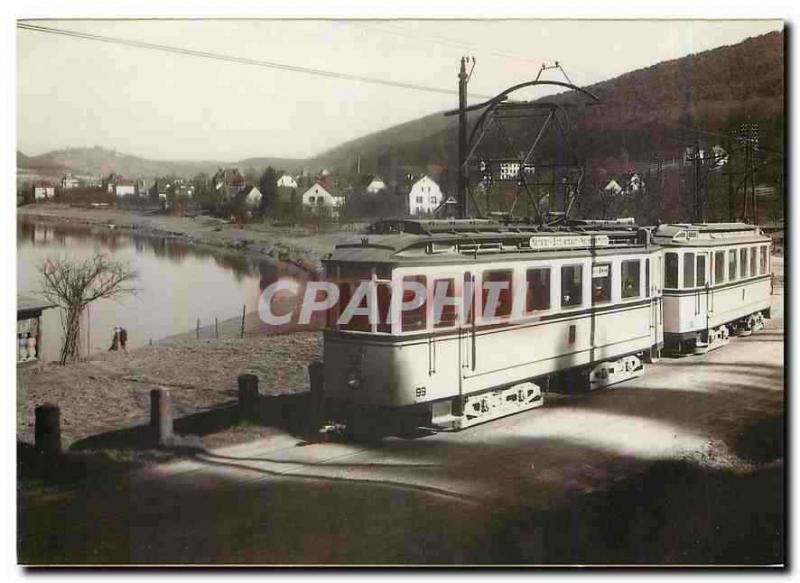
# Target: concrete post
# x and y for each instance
(161, 415)
(248, 396)
(47, 430)
(316, 380)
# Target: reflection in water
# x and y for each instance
(180, 283)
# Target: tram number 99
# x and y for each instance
(420, 392)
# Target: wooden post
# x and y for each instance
(161, 415)
(197, 331)
(248, 396)
(47, 430)
(216, 327)
(244, 307)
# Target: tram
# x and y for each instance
(717, 283)
(579, 306)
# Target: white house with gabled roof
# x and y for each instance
(319, 197)
(424, 197)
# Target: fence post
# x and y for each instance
(316, 382)
(47, 431)
(248, 396)
(244, 308)
(161, 415)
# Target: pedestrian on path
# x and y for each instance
(115, 340)
(123, 339)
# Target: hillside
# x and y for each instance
(645, 112)
(100, 161)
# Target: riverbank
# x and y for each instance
(111, 391)
(297, 245)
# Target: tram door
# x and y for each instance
(653, 284)
(702, 293)
(466, 332)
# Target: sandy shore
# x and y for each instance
(296, 245)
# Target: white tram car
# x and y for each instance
(583, 306)
(717, 282)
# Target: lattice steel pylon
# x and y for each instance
(495, 153)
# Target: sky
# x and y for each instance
(80, 93)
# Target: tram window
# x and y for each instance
(764, 259)
(688, 270)
(647, 277)
(719, 267)
(537, 295)
(415, 319)
(447, 315)
(601, 283)
(701, 270)
(358, 322)
(571, 285)
(630, 278)
(743, 262)
(753, 261)
(671, 270)
(384, 293)
(732, 275)
(503, 306)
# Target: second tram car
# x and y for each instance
(578, 306)
(717, 282)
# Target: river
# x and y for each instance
(178, 283)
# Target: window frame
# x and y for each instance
(667, 280)
(610, 278)
(733, 262)
(580, 302)
(528, 291)
(638, 263)
(722, 279)
(690, 271)
(499, 314)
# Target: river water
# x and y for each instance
(178, 283)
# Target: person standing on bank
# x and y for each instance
(123, 339)
(115, 340)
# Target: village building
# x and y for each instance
(424, 197)
(252, 197)
(613, 188)
(286, 181)
(324, 198)
(44, 192)
(375, 186)
(69, 181)
(29, 328)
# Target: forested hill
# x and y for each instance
(643, 113)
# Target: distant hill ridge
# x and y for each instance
(99, 161)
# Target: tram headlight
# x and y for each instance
(354, 379)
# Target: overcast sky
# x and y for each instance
(75, 92)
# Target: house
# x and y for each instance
(228, 182)
(29, 327)
(612, 188)
(325, 197)
(44, 192)
(375, 186)
(286, 181)
(252, 198)
(69, 181)
(424, 197)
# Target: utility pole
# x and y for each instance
(462, 140)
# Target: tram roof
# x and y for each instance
(705, 234)
(401, 240)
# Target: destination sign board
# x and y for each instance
(567, 241)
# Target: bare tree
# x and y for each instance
(73, 285)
